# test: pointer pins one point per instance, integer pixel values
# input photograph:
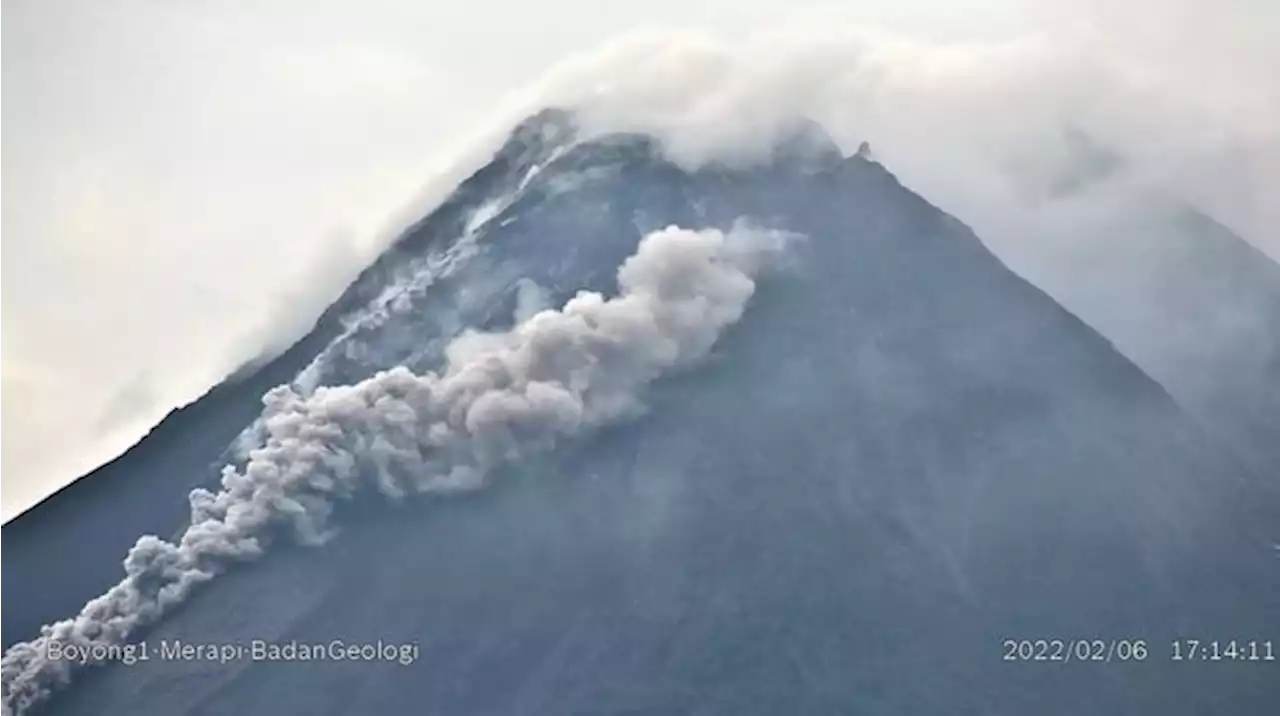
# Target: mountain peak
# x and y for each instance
(549, 127)
(801, 143)
(808, 143)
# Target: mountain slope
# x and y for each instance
(91, 523)
(1192, 303)
(903, 455)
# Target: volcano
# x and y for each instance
(898, 462)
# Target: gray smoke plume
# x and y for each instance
(499, 396)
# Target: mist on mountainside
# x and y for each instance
(815, 449)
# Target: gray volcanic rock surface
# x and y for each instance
(903, 455)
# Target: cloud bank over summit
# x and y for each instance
(986, 130)
(500, 396)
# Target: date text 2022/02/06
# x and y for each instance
(1054, 650)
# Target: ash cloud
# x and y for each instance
(500, 396)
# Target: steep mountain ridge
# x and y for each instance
(94, 520)
(1191, 302)
(902, 455)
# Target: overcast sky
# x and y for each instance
(188, 181)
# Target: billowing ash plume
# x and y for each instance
(498, 397)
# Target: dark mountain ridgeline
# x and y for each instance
(1199, 309)
(903, 455)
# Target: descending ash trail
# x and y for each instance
(499, 396)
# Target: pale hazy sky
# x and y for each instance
(189, 181)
